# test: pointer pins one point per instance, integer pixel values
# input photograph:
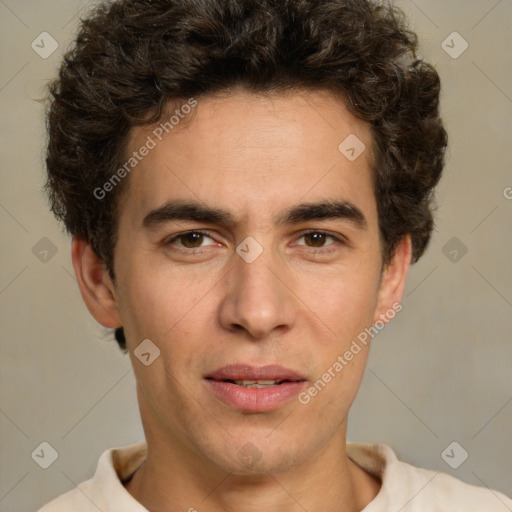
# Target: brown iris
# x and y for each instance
(192, 238)
(317, 238)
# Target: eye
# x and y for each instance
(317, 239)
(192, 241)
(188, 241)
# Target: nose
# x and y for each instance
(259, 298)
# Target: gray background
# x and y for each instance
(439, 373)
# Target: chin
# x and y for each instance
(253, 455)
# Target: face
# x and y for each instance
(250, 293)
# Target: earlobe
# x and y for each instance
(393, 280)
(95, 285)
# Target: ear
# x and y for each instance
(393, 280)
(96, 287)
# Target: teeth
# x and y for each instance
(255, 383)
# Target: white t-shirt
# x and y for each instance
(405, 488)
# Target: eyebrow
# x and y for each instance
(194, 211)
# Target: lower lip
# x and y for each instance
(255, 399)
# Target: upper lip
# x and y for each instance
(249, 372)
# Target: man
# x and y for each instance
(247, 183)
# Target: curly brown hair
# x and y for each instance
(131, 57)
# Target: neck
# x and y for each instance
(327, 481)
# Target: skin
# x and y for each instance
(254, 155)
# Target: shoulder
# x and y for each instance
(76, 500)
(412, 489)
(105, 490)
(449, 493)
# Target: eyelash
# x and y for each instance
(315, 250)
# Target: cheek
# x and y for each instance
(346, 301)
(144, 307)
(346, 304)
(168, 308)
(328, 399)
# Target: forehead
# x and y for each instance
(242, 148)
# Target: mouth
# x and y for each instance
(256, 384)
(255, 389)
